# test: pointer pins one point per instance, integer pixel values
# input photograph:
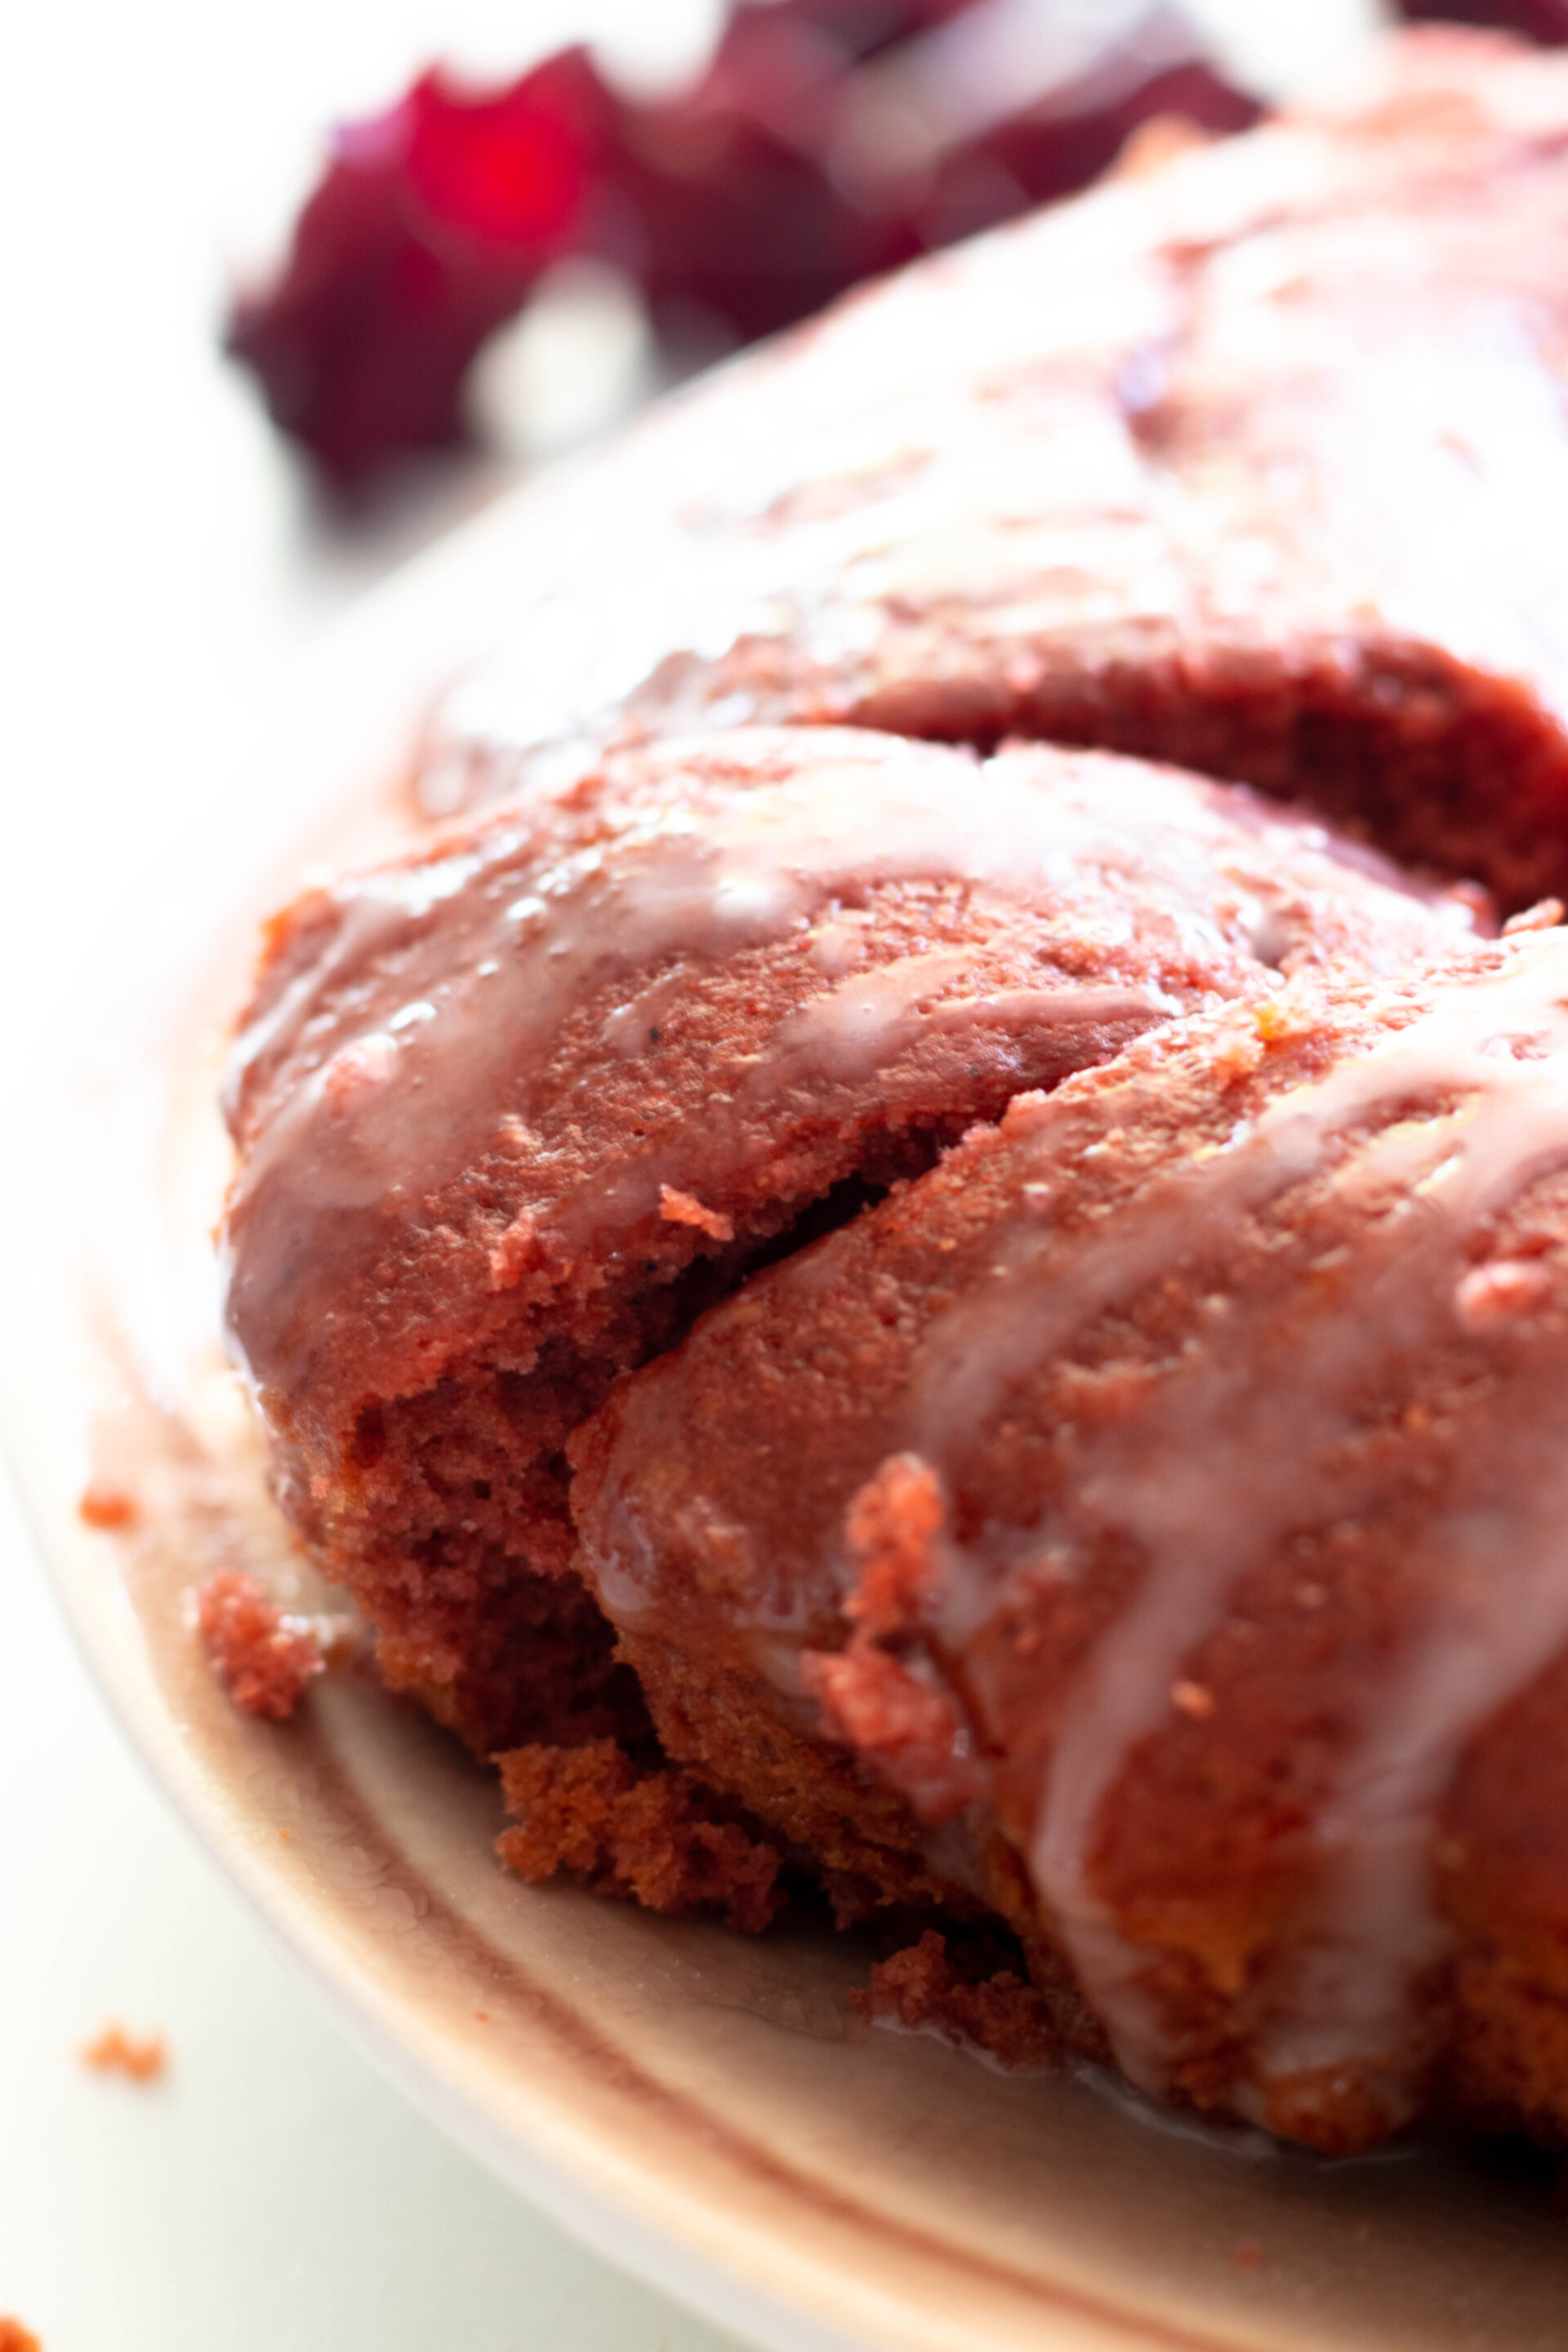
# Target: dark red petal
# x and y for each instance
(510, 169)
(1540, 20)
(434, 217)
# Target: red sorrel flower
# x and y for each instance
(751, 199)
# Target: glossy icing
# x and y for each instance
(406, 1027)
(1482, 1079)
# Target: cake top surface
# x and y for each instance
(1302, 387)
(544, 1022)
(1192, 1436)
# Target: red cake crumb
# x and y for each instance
(1193, 1698)
(262, 1660)
(15, 2338)
(896, 1715)
(588, 1811)
(890, 1527)
(872, 1698)
(115, 2052)
(681, 1209)
(106, 1504)
(921, 1990)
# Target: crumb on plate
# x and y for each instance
(921, 1990)
(263, 1659)
(140, 2059)
(106, 1504)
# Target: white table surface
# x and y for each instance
(163, 573)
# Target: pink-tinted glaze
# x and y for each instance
(403, 1031)
(1223, 1463)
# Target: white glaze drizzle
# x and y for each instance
(1496, 1611)
(497, 944)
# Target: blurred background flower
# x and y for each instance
(819, 142)
(1538, 20)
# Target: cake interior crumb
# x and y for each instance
(589, 1811)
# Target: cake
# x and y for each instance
(1192, 1503)
(1253, 459)
(512, 1110)
(872, 1286)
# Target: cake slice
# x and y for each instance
(511, 1111)
(1154, 1518)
